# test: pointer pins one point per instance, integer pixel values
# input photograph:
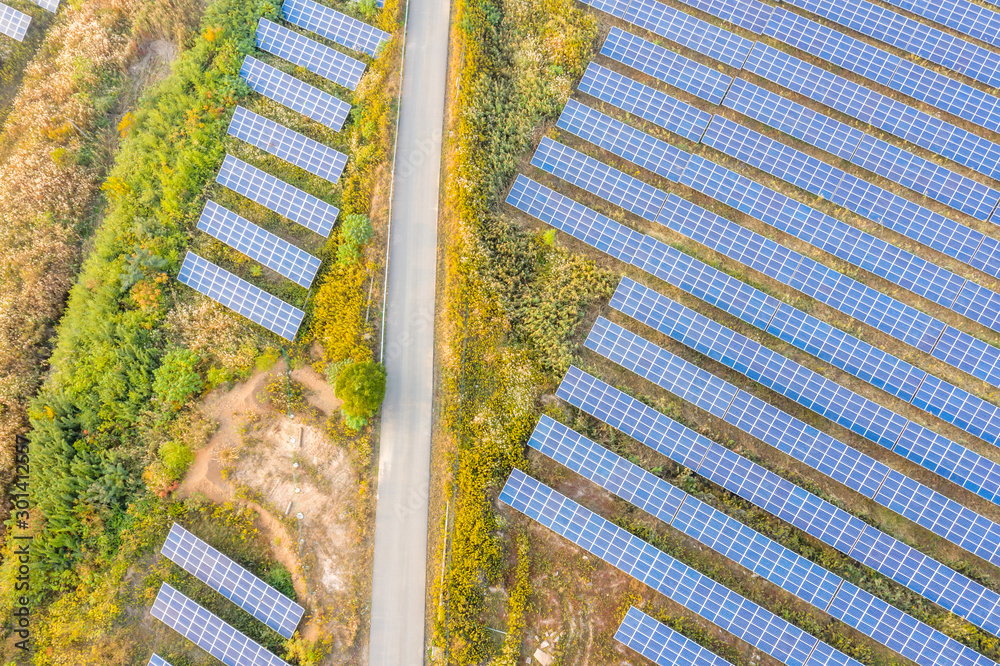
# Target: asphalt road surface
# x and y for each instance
(397, 610)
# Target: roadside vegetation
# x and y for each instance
(103, 199)
(518, 301)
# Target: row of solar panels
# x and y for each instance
(14, 24)
(235, 583)
(912, 500)
(883, 370)
(293, 147)
(862, 103)
(741, 544)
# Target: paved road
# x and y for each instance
(397, 615)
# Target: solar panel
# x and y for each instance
(51, 5)
(917, 38)
(661, 644)
(295, 94)
(643, 101)
(937, 182)
(13, 23)
(960, 15)
(696, 592)
(277, 195)
(335, 26)
(813, 515)
(892, 211)
(208, 632)
(968, 354)
(959, 407)
(947, 94)
(240, 296)
(796, 382)
(878, 110)
(748, 14)
(259, 244)
(688, 31)
(157, 660)
(288, 145)
(613, 7)
(304, 52)
(623, 140)
(232, 581)
(667, 66)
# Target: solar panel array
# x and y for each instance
(748, 14)
(741, 544)
(910, 35)
(259, 244)
(208, 632)
(157, 660)
(793, 504)
(696, 592)
(892, 211)
(13, 23)
(916, 502)
(304, 52)
(883, 67)
(335, 26)
(665, 65)
(645, 102)
(240, 296)
(686, 30)
(960, 15)
(288, 145)
(295, 94)
(661, 644)
(277, 195)
(837, 290)
(232, 581)
(875, 109)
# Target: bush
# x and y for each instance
(355, 232)
(362, 387)
(176, 458)
(176, 380)
(339, 314)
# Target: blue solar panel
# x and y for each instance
(960, 15)
(748, 14)
(240, 296)
(952, 461)
(277, 195)
(208, 632)
(815, 516)
(957, 406)
(916, 571)
(979, 304)
(13, 23)
(696, 592)
(333, 25)
(944, 517)
(917, 38)
(947, 94)
(661, 644)
(259, 244)
(50, 5)
(871, 107)
(794, 119)
(157, 660)
(890, 210)
(835, 47)
(597, 178)
(647, 151)
(968, 354)
(288, 145)
(296, 95)
(304, 52)
(613, 7)
(926, 177)
(643, 101)
(667, 66)
(688, 31)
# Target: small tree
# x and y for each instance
(355, 232)
(361, 386)
(176, 380)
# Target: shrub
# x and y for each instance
(176, 379)
(339, 314)
(176, 458)
(362, 387)
(355, 232)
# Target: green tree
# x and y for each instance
(176, 380)
(362, 387)
(355, 232)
